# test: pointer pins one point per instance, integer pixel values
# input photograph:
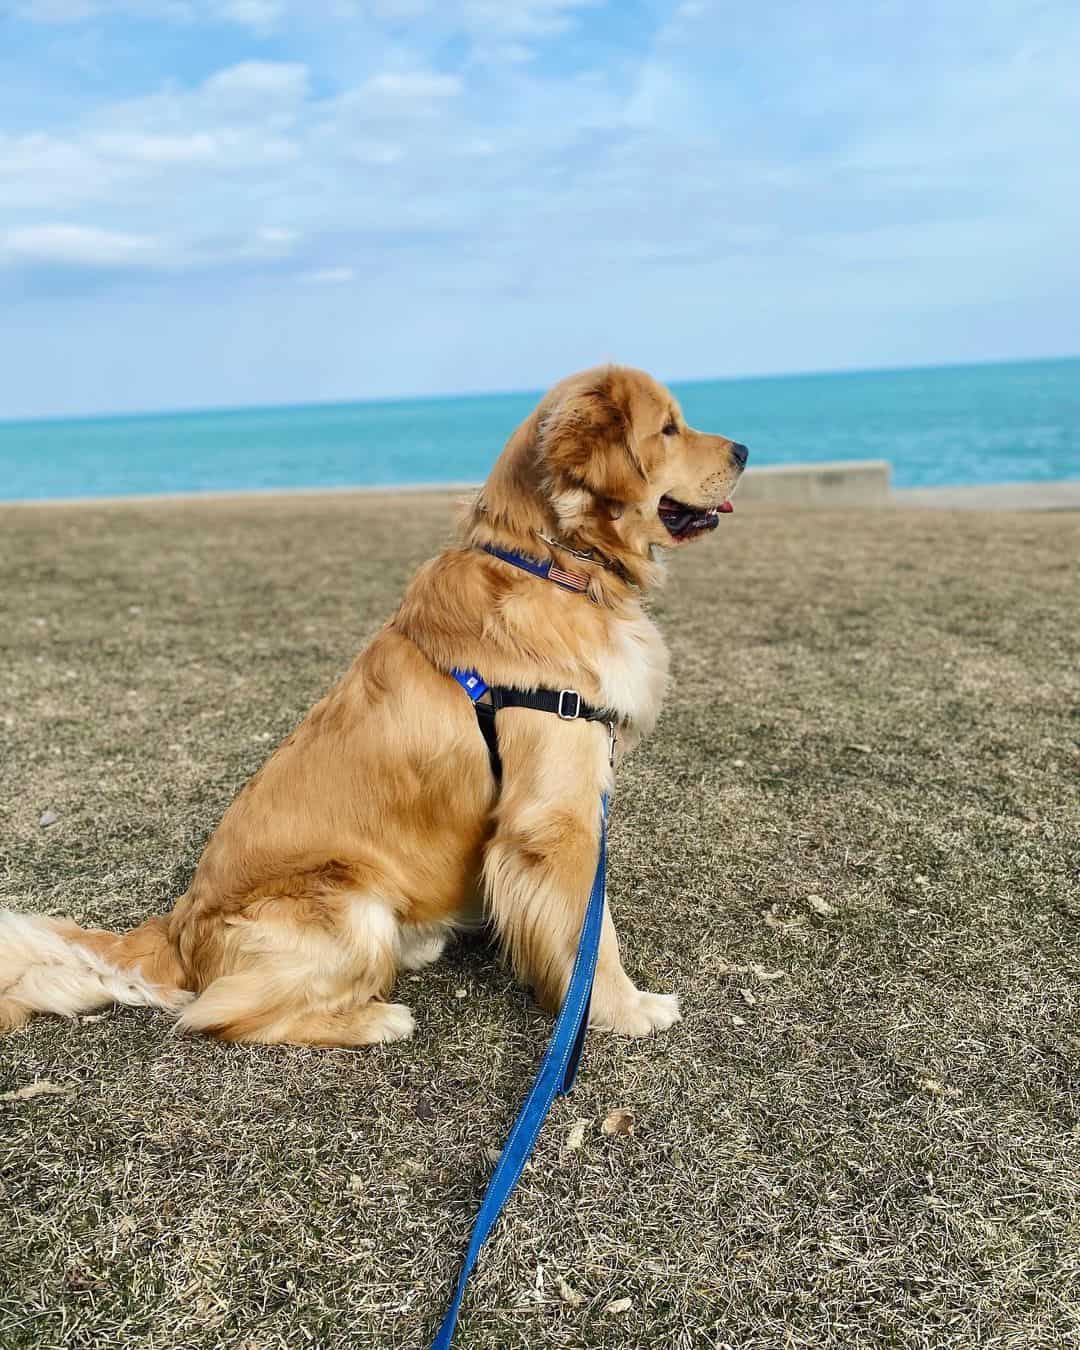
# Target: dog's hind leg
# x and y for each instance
(421, 945)
(265, 1006)
(305, 972)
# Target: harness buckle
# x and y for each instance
(564, 694)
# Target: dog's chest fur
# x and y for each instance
(634, 672)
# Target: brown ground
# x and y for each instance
(864, 780)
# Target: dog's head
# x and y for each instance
(607, 465)
(621, 462)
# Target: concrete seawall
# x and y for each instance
(858, 482)
(867, 483)
(1056, 495)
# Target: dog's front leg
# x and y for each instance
(540, 863)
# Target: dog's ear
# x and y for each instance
(587, 441)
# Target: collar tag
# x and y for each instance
(568, 579)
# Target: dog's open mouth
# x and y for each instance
(686, 522)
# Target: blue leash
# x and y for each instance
(556, 1077)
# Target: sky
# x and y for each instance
(226, 202)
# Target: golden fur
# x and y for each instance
(376, 828)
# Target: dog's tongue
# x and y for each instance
(725, 507)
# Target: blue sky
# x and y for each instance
(208, 202)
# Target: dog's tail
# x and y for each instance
(54, 966)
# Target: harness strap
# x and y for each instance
(565, 703)
(485, 717)
(556, 1077)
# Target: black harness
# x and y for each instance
(565, 703)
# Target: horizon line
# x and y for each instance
(206, 410)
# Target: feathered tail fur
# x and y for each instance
(53, 965)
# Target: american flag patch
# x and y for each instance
(572, 581)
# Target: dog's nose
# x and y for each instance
(739, 454)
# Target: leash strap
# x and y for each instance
(556, 1077)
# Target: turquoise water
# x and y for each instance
(945, 425)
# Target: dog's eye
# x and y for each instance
(670, 429)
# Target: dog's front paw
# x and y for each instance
(639, 1015)
(389, 1022)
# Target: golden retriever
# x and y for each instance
(378, 827)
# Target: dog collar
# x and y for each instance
(550, 571)
(589, 556)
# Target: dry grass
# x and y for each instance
(879, 1147)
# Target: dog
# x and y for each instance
(377, 827)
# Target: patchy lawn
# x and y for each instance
(850, 847)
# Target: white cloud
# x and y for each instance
(329, 276)
(195, 148)
(374, 152)
(79, 245)
(480, 18)
(270, 234)
(418, 85)
(523, 18)
(398, 9)
(247, 119)
(40, 171)
(260, 79)
(515, 53)
(268, 244)
(90, 247)
(57, 11)
(262, 16)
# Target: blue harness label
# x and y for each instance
(471, 682)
